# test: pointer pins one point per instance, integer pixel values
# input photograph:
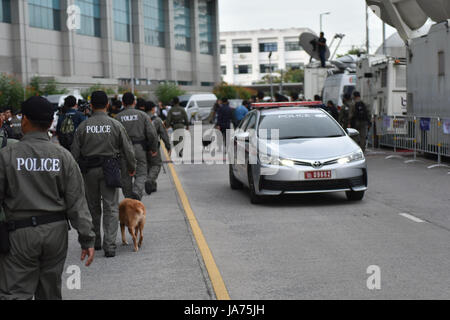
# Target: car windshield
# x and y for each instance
(301, 125)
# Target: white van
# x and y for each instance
(198, 106)
(336, 86)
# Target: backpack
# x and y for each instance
(361, 111)
(67, 132)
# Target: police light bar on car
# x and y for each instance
(287, 104)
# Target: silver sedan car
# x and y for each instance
(295, 150)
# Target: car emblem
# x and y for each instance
(317, 164)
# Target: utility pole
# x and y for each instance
(384, 39)
(321, 15)
(367, 30)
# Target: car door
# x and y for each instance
(243, 145)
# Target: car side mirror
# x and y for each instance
(352, 132)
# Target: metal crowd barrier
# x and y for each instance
(412, 133)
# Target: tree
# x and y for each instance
(353, 51)
(224, 90)
(11, 92)
(165, 92)
(97, 87)
(37, 87)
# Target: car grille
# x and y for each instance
(313, 185)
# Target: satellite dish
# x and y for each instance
(307, 41)
(409, 12)
(437, 10)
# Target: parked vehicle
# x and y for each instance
(198, 106)
(336, 86)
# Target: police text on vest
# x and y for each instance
(38, 165)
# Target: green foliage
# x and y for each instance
(165, 92)
(224, 90)
(11, 92)
(37, 87)
(97, 87)
(290, 76)
(353, 51)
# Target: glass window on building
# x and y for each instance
(265, 68)
(122, 20)
(242, 48)
(90, 17)
(45, 14)
(268, 47)
(205, 20)
(295, 66)
(292, 46)
(243, 69)
(5, 11)
(223, 49)
(223, 70)
(154, 23)
(182, 24)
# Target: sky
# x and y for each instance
(347, 17)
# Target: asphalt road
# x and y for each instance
(319, 247)
(296, 247)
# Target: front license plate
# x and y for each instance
(312, 175)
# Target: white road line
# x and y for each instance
(408, 216)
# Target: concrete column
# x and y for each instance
(67, 41)
(21, 60)
(216, 43)
(138, 39)
(170, 40)
(195, 43)
(255, 52)
(107, 32)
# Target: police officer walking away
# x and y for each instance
(144, 138)
(360, 118)
(40, 188)
(98, 143)
(344, 114)
(155, 163)
(177, 119)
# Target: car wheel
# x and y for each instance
(355, 195)
(254, 198)
(235, 184)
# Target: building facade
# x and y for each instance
(113, 42)
(244, 55)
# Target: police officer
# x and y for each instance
(155, 163)
(144, 138)
(99, 140)
(360, 118)
(40, 188)
(344, 114)
(177, 119)
(16, 126)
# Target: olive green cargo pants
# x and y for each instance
(35, 263)
(98, 195)
(154, 168)
(128, 187)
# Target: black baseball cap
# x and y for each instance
(99, 99)
(38, 108)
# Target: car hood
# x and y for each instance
(315, 149)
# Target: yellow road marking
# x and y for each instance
(214, 273)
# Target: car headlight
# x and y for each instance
(275, 161)
(356, 156)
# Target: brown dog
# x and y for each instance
(132, 214)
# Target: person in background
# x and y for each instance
(177, 119)
(332, 110)
(344, 114)
(240, 112)
(162, 109)
(140, 104)
(318, 98)
(68, 122)
(155, 163)
(224, 119)
(213, 115)
(322, 47)
(115, 108)
(360, 118)
(294, 96)
(16, 126)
